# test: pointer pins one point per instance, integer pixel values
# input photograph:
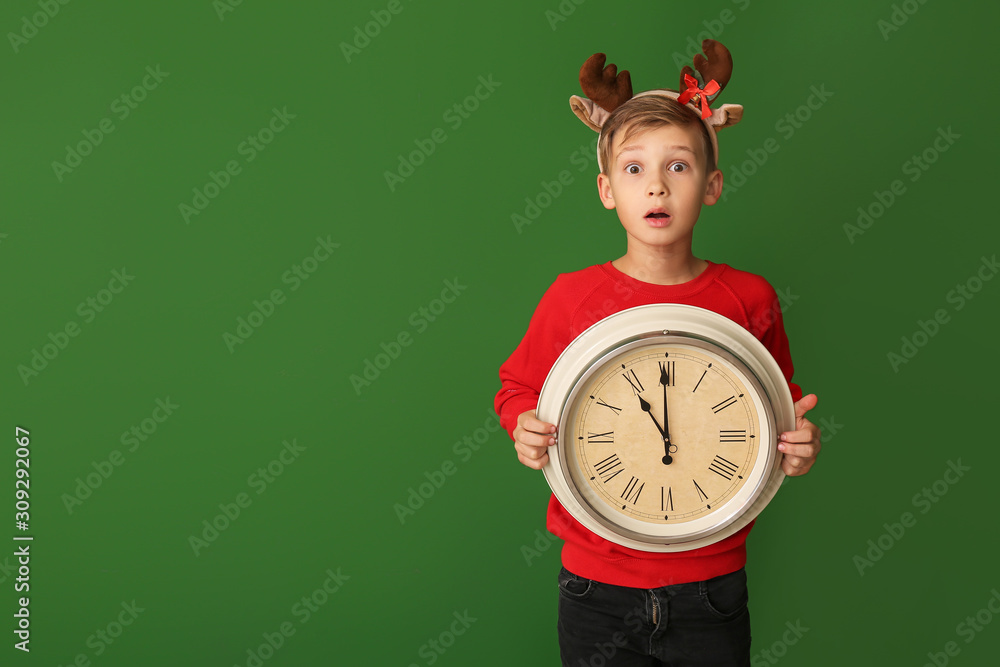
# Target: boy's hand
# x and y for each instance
(532, 439)
(802, 445)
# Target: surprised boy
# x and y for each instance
(657, 155)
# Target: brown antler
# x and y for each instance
(718, 65)
(606, 87)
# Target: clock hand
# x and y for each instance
(646, 407)
(664, 379)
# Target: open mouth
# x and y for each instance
(657, 214)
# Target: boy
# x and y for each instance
(657, 154)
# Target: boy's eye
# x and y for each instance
(678, 167)
(633, 169)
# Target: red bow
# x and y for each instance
(711, 88)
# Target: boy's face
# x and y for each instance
(657, 183)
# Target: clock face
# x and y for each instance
(663, 433)
(668, 416)
(667, 433)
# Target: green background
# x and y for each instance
(477, 546)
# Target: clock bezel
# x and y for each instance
(682, 324)
(730, 509)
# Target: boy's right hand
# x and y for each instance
(532, 439)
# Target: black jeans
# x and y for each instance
(704, 623)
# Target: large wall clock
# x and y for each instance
(668, 419)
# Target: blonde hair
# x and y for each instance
(645, 113)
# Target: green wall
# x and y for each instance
(243, 175)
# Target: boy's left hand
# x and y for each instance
(802, 445)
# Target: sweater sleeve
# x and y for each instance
(768, 325)
(524, 372)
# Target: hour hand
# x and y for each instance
(667, 459)
(646, 408)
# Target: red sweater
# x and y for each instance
(573, 303)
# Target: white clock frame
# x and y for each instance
(674, 324)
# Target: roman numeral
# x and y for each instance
(719, 407)
(617, 411)
(668, 368)
(631, 494)
(667, 501)
(701, 494)
(723, 467)
(609, 468)
(600, 438)
(703, 373)
(733, 436)
(636, 386)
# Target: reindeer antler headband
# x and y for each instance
(607, 89)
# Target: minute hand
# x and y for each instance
(665, 380)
